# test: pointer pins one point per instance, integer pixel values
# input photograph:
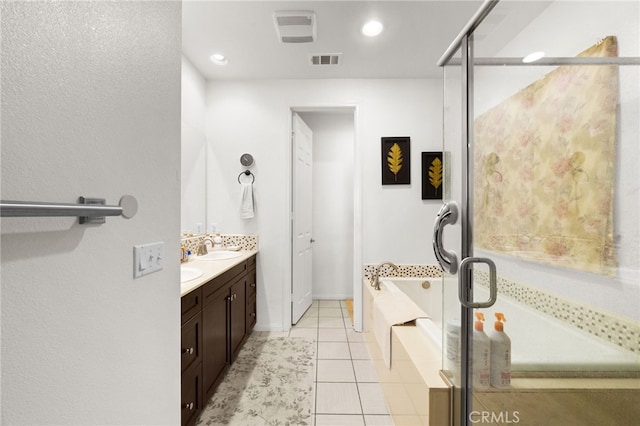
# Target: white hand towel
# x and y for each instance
(246, 206)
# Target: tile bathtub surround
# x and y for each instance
(617, 330)
(245, 242)
(418, 271)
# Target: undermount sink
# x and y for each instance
(188, 274)
(219, 255)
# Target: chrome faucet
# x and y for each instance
(202, 248)
(375, 279)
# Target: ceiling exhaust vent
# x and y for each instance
(326, 59)
(295, 26)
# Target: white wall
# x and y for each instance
(254, 117)
(90, 106)
(559, 36)
(194, 143)
(332, 203)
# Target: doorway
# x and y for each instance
(334, 205)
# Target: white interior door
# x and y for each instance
(301, 219)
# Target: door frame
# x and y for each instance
(357, 208)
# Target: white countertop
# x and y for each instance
(211, 269)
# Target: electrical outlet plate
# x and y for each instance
(147, 258)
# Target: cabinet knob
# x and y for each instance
(187, 351)
(189, 406)
(252, 285)
(253, 314)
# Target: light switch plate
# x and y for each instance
(147, 258)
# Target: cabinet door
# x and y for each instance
(215, 335)
(191, 304)
(191, 395)
(238, 314)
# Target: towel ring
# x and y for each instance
(248, 173)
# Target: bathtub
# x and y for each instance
(539, 342)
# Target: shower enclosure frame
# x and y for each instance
(465, 44)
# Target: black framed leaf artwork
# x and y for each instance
(432, 175)
(396, 161)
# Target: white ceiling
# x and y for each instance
(416, 34)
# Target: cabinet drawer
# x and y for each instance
(191, 304)
(251, 299)
(251, 285)
(191, 342)
(251, 313)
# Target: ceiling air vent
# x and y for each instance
(295, 26)
(326, 59)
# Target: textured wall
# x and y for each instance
(90, 106)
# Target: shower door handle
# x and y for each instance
(463, 285)
(448, 215)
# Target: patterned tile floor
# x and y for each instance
(347, 388)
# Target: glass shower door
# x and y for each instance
(546, 187)
(450, 236)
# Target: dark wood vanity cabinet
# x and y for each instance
(191, 357)
(225, 316)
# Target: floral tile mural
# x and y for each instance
(545, 168)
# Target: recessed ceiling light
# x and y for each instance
(372, 28)
(219, 59)
(532, 57)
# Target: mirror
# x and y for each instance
(194, 151)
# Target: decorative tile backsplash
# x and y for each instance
(617, 330)
(191, 243)
(245, 242)
(417, 271)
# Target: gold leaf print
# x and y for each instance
(394, 160)
(435, 173)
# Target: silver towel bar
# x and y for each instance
(89, 210)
